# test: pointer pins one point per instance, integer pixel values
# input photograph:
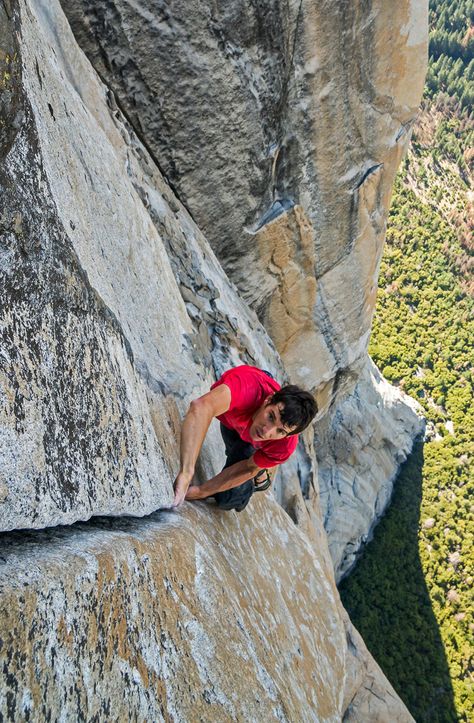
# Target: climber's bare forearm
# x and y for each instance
(230, 477)
(195, 425)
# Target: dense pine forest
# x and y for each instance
(411, 595)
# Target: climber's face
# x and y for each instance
(267, 424)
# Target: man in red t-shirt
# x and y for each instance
(260, 423)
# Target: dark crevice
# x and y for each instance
(114, 102)
(277, 209)
(305, 471)
(325, 329)
(368, 172)
(25, 539)
(11, 96)
(38, 73)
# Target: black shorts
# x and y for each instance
(236, 450)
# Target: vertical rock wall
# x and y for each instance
(359, 448)
(202, 615)
(115, 312)
(281, 127)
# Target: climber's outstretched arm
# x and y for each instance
(230, 477)
(195, 425)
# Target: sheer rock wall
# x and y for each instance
(281, 126)
(115, 313)
(198, 615)
(359, 448)
(281, 129)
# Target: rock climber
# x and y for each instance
(260, 423)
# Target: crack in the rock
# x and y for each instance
(405, 128)
(371, 690)
(22, 538)
(325, 328)
(368, 172)
(278, 208)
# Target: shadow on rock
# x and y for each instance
(388, 601)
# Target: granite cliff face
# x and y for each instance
(165, 619)
(281, 129)
(359, 448)
(116, 312)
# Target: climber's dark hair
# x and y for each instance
(300, 407)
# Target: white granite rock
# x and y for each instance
(281, 127)
(115, 311)
(360, 448)
(198, 615)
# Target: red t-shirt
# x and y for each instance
(249, 387)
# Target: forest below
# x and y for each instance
(411, 593)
